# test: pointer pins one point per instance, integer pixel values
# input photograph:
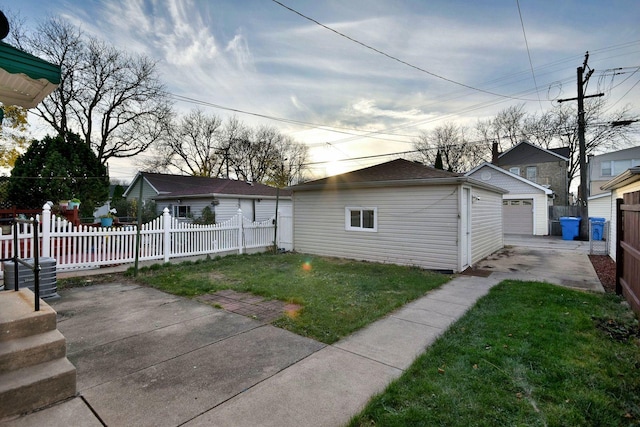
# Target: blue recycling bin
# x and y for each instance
(570, 227)
(597, 227)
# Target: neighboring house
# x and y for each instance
(547, 168)
(399, 212)
(604, 167)
(626, 182)
(187, 196)
(525, 208)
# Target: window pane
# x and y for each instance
(526, 203)
(355, 218)
(605, 169)
(532, 173)
(367, 219)
(620, 166)
(515, 171)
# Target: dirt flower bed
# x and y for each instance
(606, 269)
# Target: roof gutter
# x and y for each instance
(218, 196)
(629, 176)
(399, 183)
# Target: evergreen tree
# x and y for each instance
(59, 168)
(438, 164)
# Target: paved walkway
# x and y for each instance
(147, 358)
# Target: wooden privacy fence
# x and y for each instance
(89, 246)
(628, 248)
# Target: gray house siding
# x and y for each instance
(416, 226)
(486, 224)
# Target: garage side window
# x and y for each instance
(361, 219)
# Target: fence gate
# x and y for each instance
(628, 248)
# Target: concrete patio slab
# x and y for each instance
(177, 390)
(73, 412)
(325, 389)
(107, 362)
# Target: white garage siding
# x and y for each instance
(416, 225)
(486, 224)
(600, 206)
(519, 189)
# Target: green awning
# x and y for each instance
(25, 80)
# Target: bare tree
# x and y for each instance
(558, 127)
(448, 140)
(253, 158)
(191, 146)
(201, 145)
(505, 128)
(115, 100)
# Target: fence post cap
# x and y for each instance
(47, 206)
(165, 210)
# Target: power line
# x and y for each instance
(394, 58)
(533, 74)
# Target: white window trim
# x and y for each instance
(515, 170)
(347, 219)
(176, 211)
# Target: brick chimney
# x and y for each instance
(494, 153)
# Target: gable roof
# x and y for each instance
(172, 186)
(527, 153)
(394, 172)
(512, 175)
(627, 177)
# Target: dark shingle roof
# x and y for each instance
(527, 153)
(183, 185)
(395, 170)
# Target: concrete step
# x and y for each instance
(28, 351)
(24, 390)
(18, 318)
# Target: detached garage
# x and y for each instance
(399, 212)
(526, 205)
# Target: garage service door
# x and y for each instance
(518, 216)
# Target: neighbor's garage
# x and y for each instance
(517, 215)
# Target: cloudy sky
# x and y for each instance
(396, 68)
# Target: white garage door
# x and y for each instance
(518, 216)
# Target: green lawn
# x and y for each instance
(338, 296)
(529, 354)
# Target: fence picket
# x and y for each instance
(88, 246)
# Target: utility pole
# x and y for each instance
(582, 200)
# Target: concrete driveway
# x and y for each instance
(147, 358)
(545, 259)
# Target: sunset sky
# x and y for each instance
(379, 74)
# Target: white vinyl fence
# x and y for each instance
(90, 246)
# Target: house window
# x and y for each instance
(361, 219)
(515, 171)
(532, 173)
(616, 167)
(181, 211)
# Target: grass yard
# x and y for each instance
(529, 354)
(338, 296)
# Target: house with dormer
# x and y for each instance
(545, 167)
